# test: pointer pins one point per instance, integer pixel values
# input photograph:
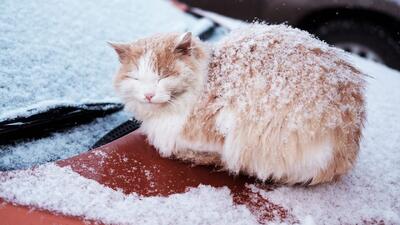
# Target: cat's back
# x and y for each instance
(264, 69)
(270, 50)
(282, 104)
(261, 41)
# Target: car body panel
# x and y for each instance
(111, 165)
(12, 214)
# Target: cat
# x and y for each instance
(269, 101)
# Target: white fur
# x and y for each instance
(183, 144)
(231, 152)
(225, 121)
(317, 158)
(146, 80)
(163, 132)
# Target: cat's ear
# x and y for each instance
(122, 50)
(184, 44)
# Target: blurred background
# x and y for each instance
(368, 28)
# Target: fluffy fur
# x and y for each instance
(267, 100)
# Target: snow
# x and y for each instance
(62, 190)
(57, 52)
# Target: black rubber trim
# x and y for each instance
(206, 34)
(56, 118)
(122, 130)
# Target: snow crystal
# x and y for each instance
(61, 190)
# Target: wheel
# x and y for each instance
(365, 39)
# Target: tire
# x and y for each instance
(366, 39)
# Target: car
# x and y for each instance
(370, 29)
(55, 72)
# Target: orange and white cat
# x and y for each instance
(269, 100)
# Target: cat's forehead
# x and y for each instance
(155, 53)
(157, 44)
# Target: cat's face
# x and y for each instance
(158, 71)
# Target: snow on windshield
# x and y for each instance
(57, 52)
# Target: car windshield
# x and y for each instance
(58, 53)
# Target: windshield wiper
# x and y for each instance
(56, 118)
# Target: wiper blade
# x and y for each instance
(57, 118)
(122, 130)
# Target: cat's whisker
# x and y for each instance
(171, 102)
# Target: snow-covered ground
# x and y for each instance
(41, 59)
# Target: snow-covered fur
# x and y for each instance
(269, 100)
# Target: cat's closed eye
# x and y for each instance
(132, 77)
(163, 77)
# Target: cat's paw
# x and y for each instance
(199, 158)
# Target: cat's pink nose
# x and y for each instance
(149, 96)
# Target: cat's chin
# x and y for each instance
(156, 102)
(153, 105)
(145, 110)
